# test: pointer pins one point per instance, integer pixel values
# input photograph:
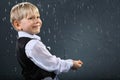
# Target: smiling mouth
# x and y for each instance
(36, 27)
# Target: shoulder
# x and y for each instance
(34, 43)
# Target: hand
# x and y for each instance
(77, 64)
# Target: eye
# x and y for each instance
(38, 17)
(30, 18)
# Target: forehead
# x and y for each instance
(25, 9)
(32, 12)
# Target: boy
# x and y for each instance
(36, 61)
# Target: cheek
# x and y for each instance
(25, 25)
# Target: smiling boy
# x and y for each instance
(36, 61)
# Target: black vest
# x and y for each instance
(29, 70)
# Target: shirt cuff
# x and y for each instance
(70, 62)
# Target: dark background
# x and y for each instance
(79, 29)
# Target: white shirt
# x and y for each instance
(36, 51)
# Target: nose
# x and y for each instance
(38, 21)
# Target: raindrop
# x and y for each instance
(47, 13)
(65, 55)
(97, 29)
(88, 27)
(43, 19)
(5, 10)
(11, 42)
(54, 11)
(57, 23)
(55, 19)
(98, 48)
(101, 31)
(41, 10)
(107, 33)
(48, 6)
(15, 69)
(88, 7)
(65, 21)
(81, 24)
(44, 32)
(4, 18)
(9, 3)
(16, 2)
(11, 28)
(81, 45)
(82, 4)
(54, 36)
(6, 38)
(54, 41)
(64, 1)
(49, 30)
(78, 6)
(74, 19)
(8, 50)
(81, 31)
(48, 40)
(118, 45)
(110, 40)
(11, 35)
(15, 54)
(111, 17)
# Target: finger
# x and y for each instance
(80, 62)
(80, 65)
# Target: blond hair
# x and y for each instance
(22, 10)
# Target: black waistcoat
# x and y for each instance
(29, 70)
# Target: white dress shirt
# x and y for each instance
(36, 51)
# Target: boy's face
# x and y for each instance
(31, 24)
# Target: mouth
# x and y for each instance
(36, 27)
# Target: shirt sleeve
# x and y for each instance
(37, 52)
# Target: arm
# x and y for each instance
(37, 52)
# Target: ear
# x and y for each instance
(16, 24)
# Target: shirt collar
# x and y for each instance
(25, 34)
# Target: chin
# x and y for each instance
(37, 32)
